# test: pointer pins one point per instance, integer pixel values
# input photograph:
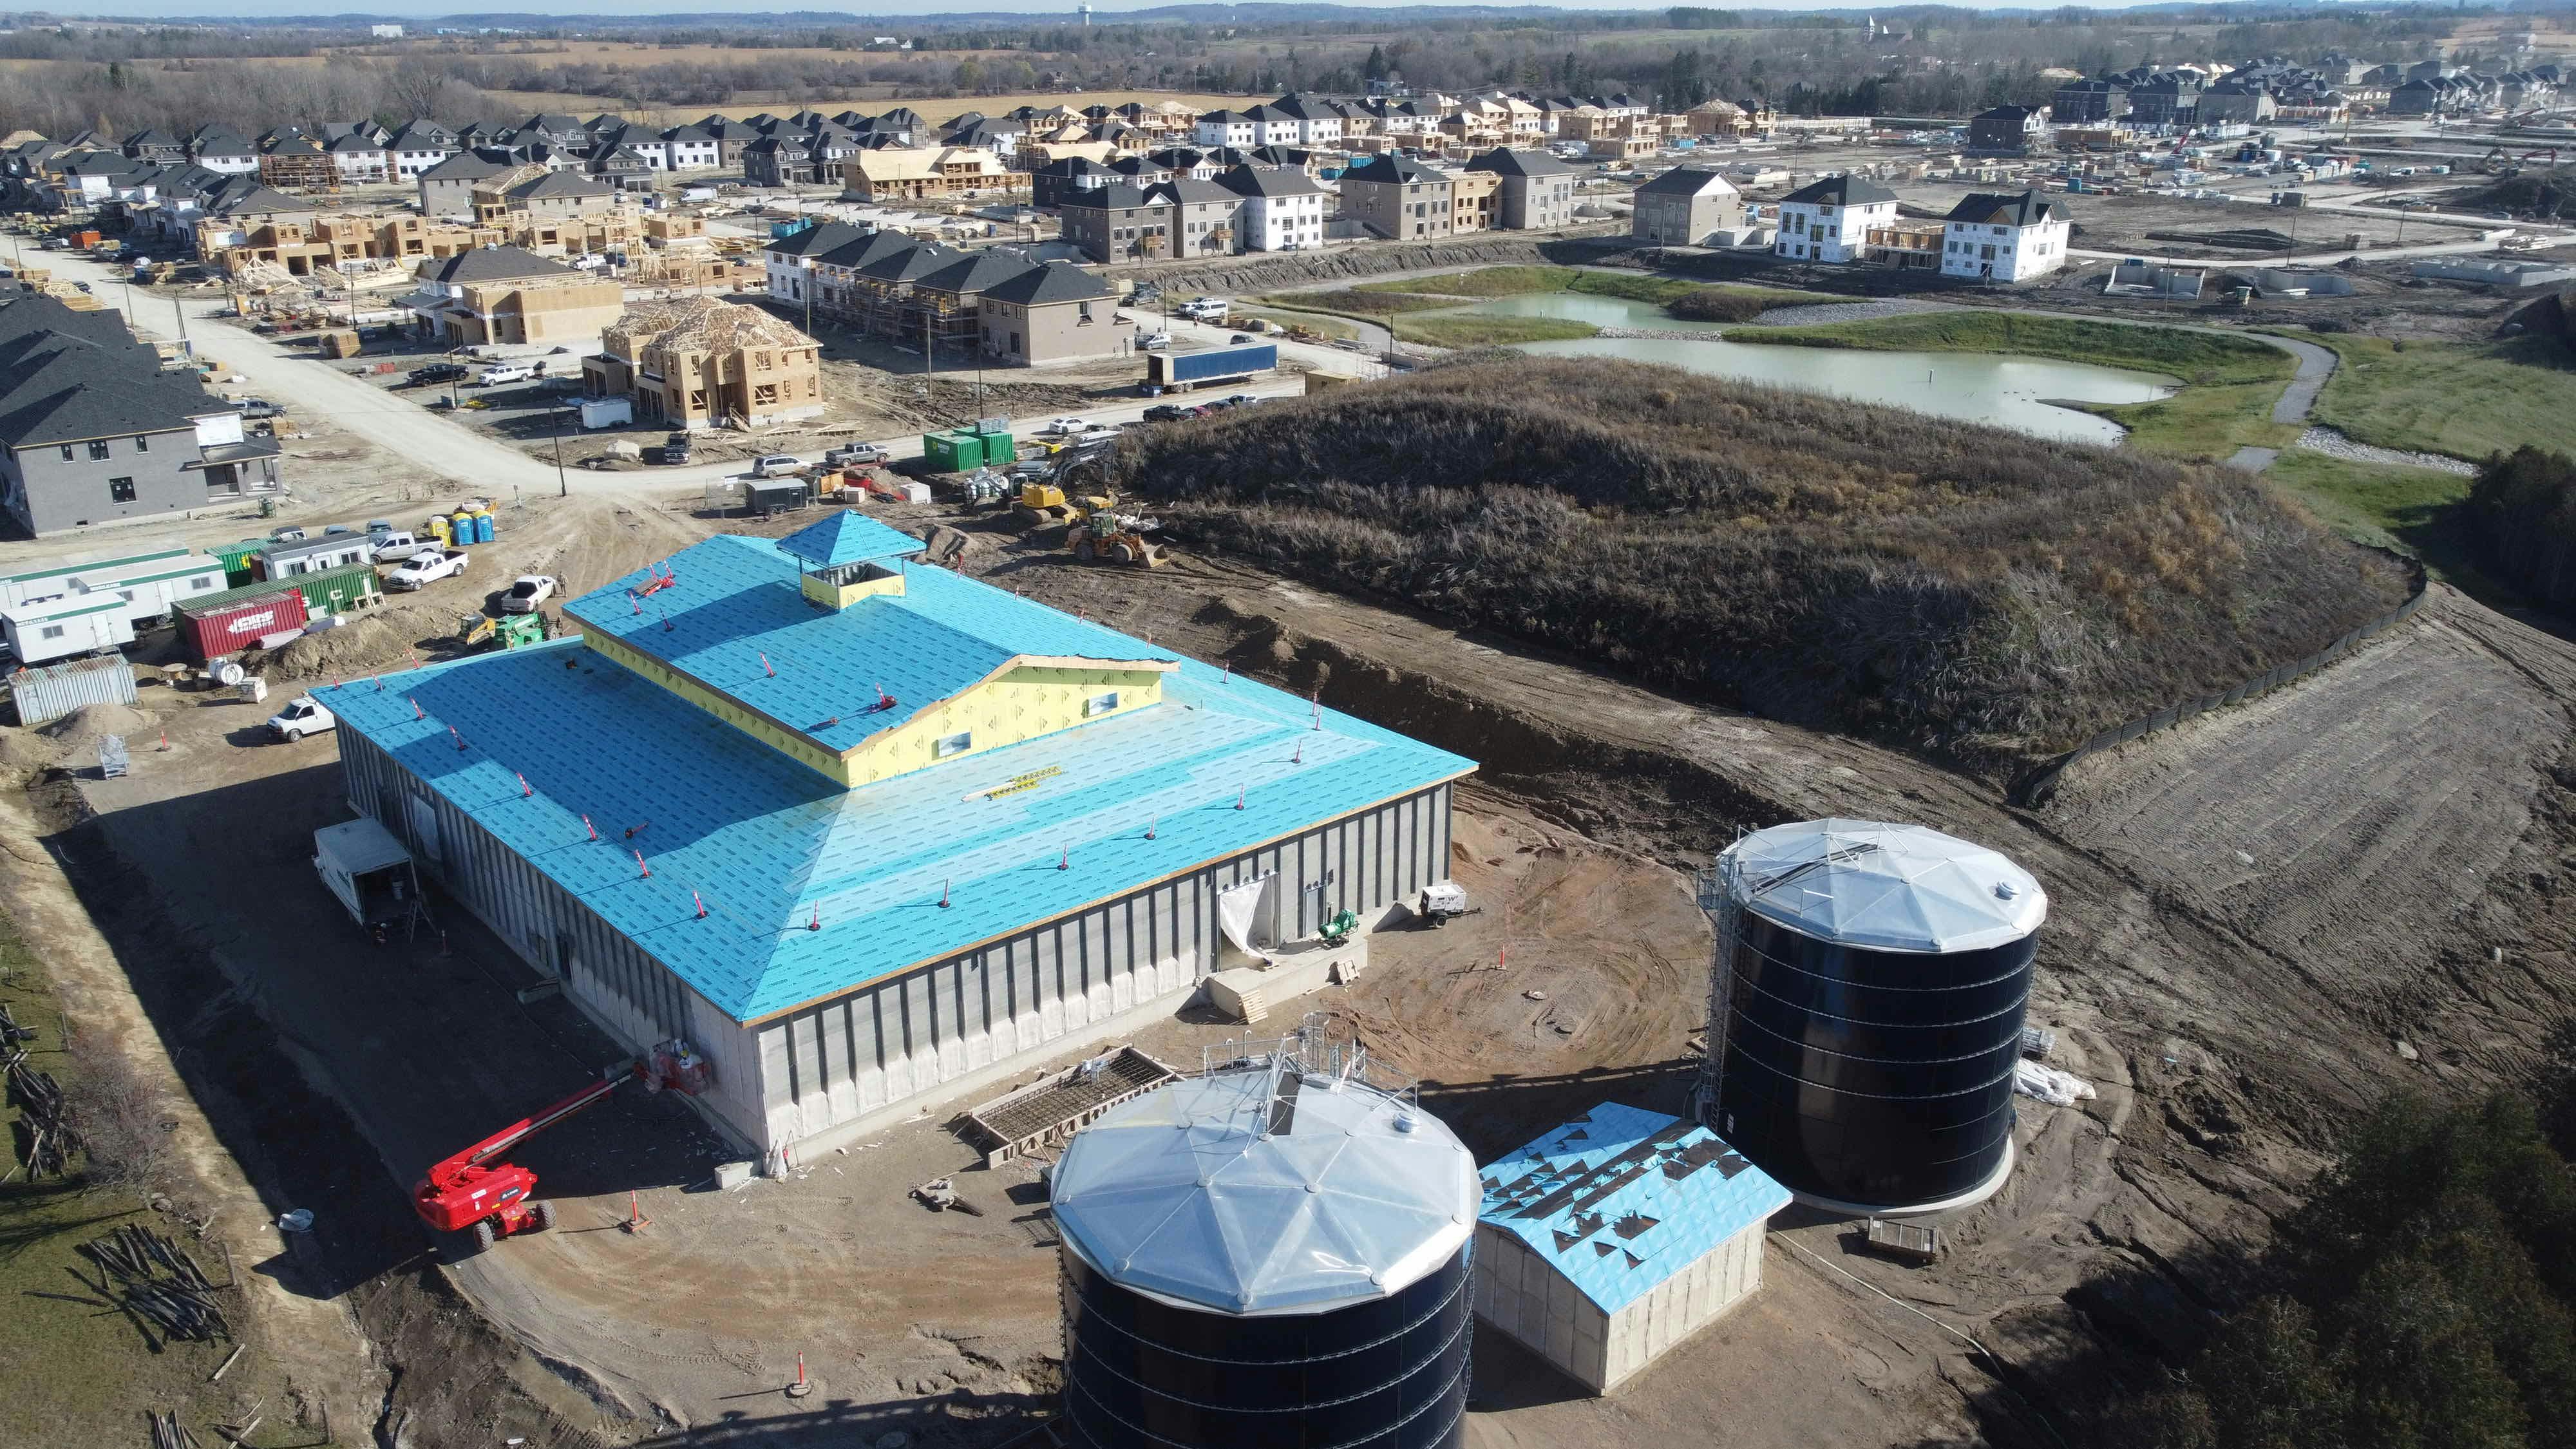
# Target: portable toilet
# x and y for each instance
(460, 526)
(483, 525)
(437, 527)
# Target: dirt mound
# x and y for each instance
(365, 647)
(2537, 197)
(85, 725)
(1975, 592)
(23, 757)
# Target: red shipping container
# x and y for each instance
(219, 632)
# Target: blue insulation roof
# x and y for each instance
(1620, 1199)
(847, 537)
(737, 620)
(769, 847)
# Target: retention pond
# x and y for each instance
(2005, 391)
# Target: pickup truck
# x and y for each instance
(427, 567)
(303, 715)
(856, 454)
(394, 545)
(506, 372)
(439, 372)
(256, 408)
(527, 592)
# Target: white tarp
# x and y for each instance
(1238, 915)
(2048, 1084)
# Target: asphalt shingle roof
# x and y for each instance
(1839, 191)
(491, 264)
(1054, 282)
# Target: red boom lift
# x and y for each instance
(472, 1191)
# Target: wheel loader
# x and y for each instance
(1103, 536)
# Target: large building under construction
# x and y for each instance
(867, 833)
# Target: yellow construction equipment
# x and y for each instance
(1106, 537)
(1044, 505)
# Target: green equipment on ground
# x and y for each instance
(1337, 931)
(515, 631)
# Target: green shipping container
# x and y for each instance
(236, 559)
(327, 593)
(998, 447)
(953, 452)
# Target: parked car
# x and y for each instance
(527, 592)
(288, 534)
(255, 408)
(1154, 341)
(675, 454)
(393, 545)
(1241, 400)
(1237, 339)
(439, 372)
(303, 715)
(505, 372)
(1165, 413)
(427, 566)
(774, 465)
(1065, 425)
(850, 455)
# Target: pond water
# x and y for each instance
(1974, 387)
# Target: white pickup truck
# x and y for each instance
(427, 567)
(506, 372)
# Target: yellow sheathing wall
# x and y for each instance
(845, 595)
(1023, 703)
(751, 722)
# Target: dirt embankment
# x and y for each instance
(1969, 591)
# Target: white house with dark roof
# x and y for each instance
(419, 147)
(1283, 208)
(2003, 237)
(1226, 128)
(1828, 220)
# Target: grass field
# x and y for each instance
(76, 1374)
(2464, 400)
(2226, 404)
(2412, 510)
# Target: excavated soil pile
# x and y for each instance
(364, 647)
(1976, 592)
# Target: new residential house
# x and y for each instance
(1537, 192)
(1050, 184)
(358, 159)
(692, 148)
(698, 362)
(1204, 219)
(297, 161)
(2013, 129)
(1399, 199)
(917, 174)
(790, 260)
(1118, 223)
(1283, 210)
(1828, 220)
(1683, 207)
(2003, 238)
(556, 195)
(2089, 103)
(92, 430)
(1052, 313)
(1227, 128)
(512, 295)
(447, 189)
(418, 148)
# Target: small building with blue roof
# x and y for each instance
(867, 833)
(1616, 1236)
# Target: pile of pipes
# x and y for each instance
(156, 1283)
(169, 1433)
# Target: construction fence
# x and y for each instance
(2036, 788)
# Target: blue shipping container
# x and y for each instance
(1216, 363)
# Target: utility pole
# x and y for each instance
(563, 489)
(929, 359)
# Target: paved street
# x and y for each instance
(474, 459)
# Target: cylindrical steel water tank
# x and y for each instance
(1865, 1011)
(1266, 1258)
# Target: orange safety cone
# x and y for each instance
(165, 741)
(800, 1388)
(635, 1222)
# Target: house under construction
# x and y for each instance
(870, 834)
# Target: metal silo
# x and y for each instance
(1865, 1011)
(1272, 1255)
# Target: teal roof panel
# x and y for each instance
(1620, 1199)
(809, 890)
(847, 536)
